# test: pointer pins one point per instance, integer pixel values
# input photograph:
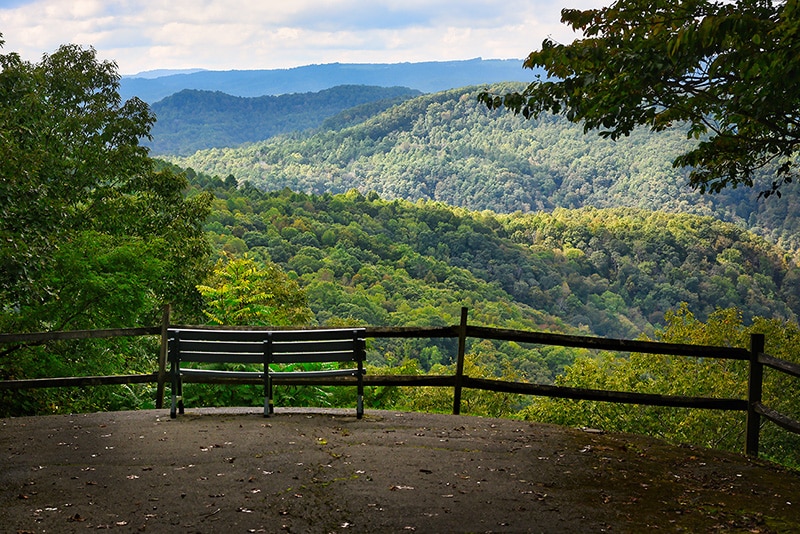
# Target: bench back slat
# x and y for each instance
(197, 334)
(222, 347)
(289, 347)
(315, 357)
(317, 335)
(226, 357)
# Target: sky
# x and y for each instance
(275, 34)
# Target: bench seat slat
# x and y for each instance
(222, 373)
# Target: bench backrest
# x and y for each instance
(216, 346)
(278, 346)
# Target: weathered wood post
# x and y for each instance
(754, 388)
(162, 356)
(462, 348)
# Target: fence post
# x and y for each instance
(462, 348)
(754, 388)
(162, 357)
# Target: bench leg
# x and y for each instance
(360, 391)
(180, 395)
(268, 408)
(173, 410)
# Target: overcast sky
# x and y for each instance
(267, 34)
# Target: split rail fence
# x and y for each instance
(752, 405)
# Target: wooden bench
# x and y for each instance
(263, 347)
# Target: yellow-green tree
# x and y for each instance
(241, 291)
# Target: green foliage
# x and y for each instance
(447, 147)
(676, 375)
(63, 133)
(606, 272)
(87, 357)
(365, 261)
(724, 69)
(654, 261)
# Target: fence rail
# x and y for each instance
(42, 337)
(781, 365)
(601, 343)
(755, 355)
(78, 381)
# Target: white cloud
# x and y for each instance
(214, 34)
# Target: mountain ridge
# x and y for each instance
(427, 77)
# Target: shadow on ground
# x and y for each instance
(231, 470)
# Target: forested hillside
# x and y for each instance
(609, 272)
(447, 147)
(192, 120)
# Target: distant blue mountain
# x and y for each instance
(160, 73)
(428, 77)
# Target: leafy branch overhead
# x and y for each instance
(727, 71)
(92, 235)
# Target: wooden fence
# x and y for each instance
(752, 405)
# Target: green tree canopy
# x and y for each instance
(728, 70)
(91, 235)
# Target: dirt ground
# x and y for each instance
(231, 470)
